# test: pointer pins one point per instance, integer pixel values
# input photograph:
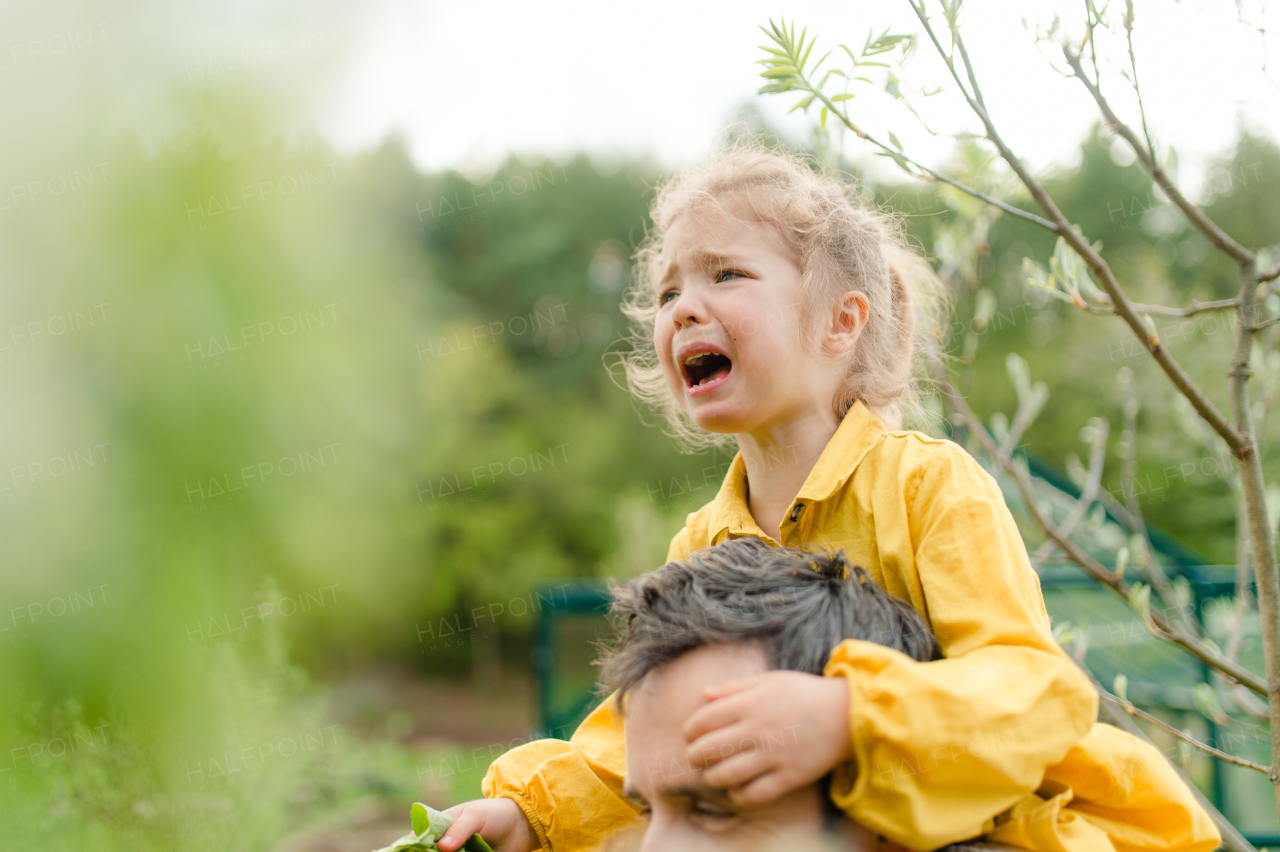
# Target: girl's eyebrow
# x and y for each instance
(711, 259)
(704, 260)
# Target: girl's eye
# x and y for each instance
(726, 274)
(666, 296)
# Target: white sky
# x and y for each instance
(468, 82)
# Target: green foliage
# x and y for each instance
(429, 825)
(1092, 364)
(225, 591)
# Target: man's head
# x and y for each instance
(729, 612)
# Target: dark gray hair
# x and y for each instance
(796, 605)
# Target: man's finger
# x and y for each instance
(713, 715)
(761, 790)
(739, 770)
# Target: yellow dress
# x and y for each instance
(997, 739)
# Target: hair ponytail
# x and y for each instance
(887, 367)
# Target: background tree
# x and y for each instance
(1080, 275)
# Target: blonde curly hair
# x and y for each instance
(838, 245)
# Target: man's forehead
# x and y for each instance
(678, 685)
(658, 707)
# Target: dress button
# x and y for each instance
(797, 512)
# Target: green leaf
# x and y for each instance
(838, 98)
(884, 43)
(429, 825)
(1035, 275)
(818, 64)
(1206, 701)
(825, 77)
(805, 56)
(822, 122)
(1140, 600)
(440, 822)
(1152, 335)
(419, 817)
(1121, 687)
(802, 104)
(1019, 373)
(894, 139)
(897, 158)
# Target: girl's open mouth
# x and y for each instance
(705, 370)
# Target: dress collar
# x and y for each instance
(856, 434)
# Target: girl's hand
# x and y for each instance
(499, 821)
(764, 736)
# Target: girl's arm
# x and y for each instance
(940, 748)
(571, 792)
(1112, 790)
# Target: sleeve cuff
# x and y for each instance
(531, 814)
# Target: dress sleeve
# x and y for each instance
(571, 792)
(940, 748)
(1112, 790)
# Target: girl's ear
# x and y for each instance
(848, 319)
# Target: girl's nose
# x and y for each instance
(690, 309)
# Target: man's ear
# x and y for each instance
(848, 319)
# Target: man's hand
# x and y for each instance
(499, 821)
(764, 736)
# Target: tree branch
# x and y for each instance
(1192, 310)
(1159, 626)
(1122, 306)
(896, 154)
(1133, 65)
(1088, 494)
(1203, 223)
(1128, 707)
(1145, 557)
(1162, 310)
(1253, 489)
